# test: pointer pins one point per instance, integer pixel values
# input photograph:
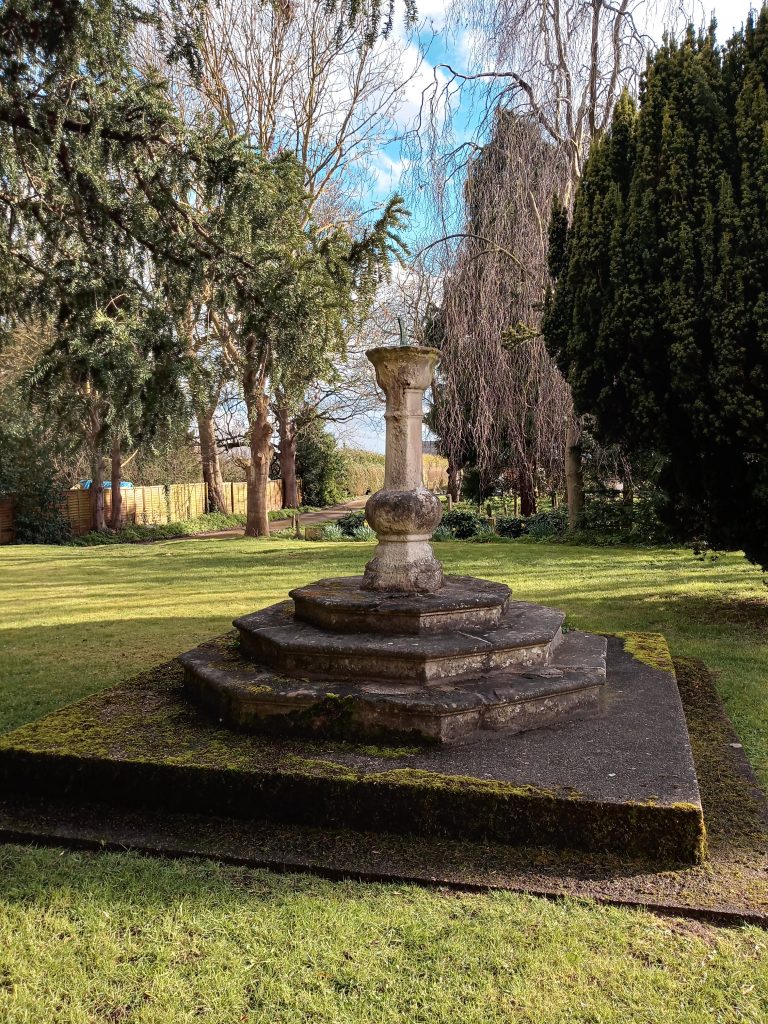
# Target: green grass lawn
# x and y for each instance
(123, 938)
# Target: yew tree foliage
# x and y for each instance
(659, 317)
(93, 161)
(116, 211)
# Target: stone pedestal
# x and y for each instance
(401, 653)
(404, 513)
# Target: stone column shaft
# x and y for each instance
(403, 466)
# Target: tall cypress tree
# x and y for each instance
(660, 310)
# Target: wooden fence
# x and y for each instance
(147, 506)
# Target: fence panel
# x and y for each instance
(275, 495)
(186, 500)
(147, 506)
(236, 496)
(152, 506)
(77, 509)
(127, 507)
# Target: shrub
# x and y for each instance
(605, 517)
(551, 523)
(137, 533)
(39, 516)
(605, 520)
(332, 531)
(364, 532)
(485, 535)
(510, 526)
(350, 522)
(321, 466)
(462, 523)
(442, 533)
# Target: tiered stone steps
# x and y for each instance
(439, 668)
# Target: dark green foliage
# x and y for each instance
(32, 455)
(462, 523)
(608, 520)
(550, 523)
(93, 163)
(38, 516)
(473, 486)
(319, 465)
(659, 319)
(351, 523)
(510, 526)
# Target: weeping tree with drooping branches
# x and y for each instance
(502, 403)
(560, 68)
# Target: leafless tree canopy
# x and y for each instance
(503, 404)
(296, 76)
(562, 62)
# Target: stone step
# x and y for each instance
(527, 634)
(255, 698)
(342, 606)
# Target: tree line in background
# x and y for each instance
(189, 240)
(174, 225)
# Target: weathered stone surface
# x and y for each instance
(526, 635)
(342, 606)
(621, 782)
(248, 696)
(404, 513)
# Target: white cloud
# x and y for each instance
(387, 171)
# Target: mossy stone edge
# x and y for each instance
(141, 745)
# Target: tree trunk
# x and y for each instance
(627, 496)
(454, 481)
(116, 478)
(209, 456)
(257, 473)
(527, 493)
(573, 476)
(627, 492)
(98, 522)
(286, 426)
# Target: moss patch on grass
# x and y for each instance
(650, 648)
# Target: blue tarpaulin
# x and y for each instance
(86, 484)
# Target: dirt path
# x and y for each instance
(326, 515)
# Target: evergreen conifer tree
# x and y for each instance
(658, 318)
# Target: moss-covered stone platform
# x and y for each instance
(730, 886)
(623, 781)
